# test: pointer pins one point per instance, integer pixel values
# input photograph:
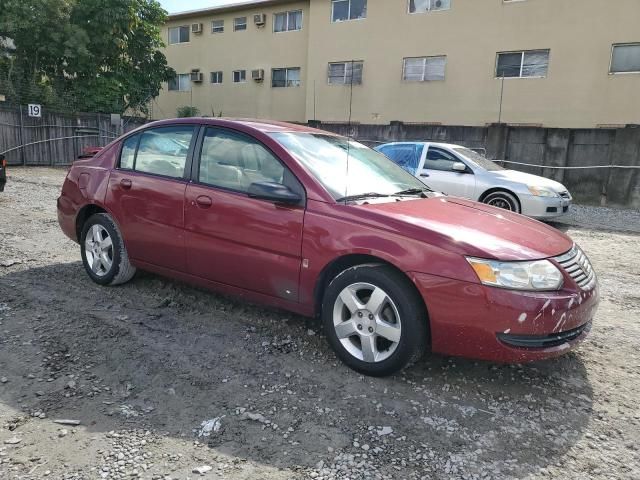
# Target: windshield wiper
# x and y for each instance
(414, 191)
(362, 196)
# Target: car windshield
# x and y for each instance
(367, 172)
(478, 159)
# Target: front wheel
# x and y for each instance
(374, 319)
(504, 200)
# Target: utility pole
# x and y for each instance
(501, 98)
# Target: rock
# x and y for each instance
(384, 431)
(63, 421)
(311, 333)
(214, 425)
(4, 379)
(63, 433)
(202, 470)
(256, 417)
(13, 441)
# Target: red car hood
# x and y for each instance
(471, 228)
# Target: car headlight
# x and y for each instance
(536, 275)
(542, 191)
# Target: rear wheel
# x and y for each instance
(104, 255)
(374, 320)
(504, 200)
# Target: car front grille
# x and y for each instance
(578, 266)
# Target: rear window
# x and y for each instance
(158, 151)
(128, 155)
(407, 156)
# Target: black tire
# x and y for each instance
(503, 199)
(414, 321)
(121, 270)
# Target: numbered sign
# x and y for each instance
(35, 110)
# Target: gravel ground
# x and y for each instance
(164, 380)
(603, 218)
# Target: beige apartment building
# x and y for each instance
(552, 63)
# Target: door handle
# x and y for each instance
(126, 183)
(424, 174)
(203, 201)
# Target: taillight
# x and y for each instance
(4, 163)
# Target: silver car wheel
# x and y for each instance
(500, 203)
(98, 250)
(503, 200)
(367, 322)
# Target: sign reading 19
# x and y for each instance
(35, 110)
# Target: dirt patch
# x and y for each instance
(167, 379)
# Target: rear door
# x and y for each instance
(146, 194)
(234, 239)
(438, 168)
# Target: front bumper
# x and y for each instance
(544, 207)
(475, 321)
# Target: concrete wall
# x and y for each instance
(543, 147)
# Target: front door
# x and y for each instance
(146, 194)
(234, 239)
(438, 173)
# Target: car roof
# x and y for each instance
(264, 126)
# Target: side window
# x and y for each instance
(235, 161)
(406, 156)
(128, 154)
(164, 151)
(439, 160)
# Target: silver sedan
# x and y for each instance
(461, 172)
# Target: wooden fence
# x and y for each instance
(54, 139)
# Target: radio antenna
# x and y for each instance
(346, 183)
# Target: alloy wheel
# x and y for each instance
(501, 202)
(98, 250)
(367, 322)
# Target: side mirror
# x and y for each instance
(459, 167)
(274, 192)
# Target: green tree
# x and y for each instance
(89, 55)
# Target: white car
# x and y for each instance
(461, 172)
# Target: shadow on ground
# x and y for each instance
(161, 355)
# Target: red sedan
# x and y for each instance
(318, 224)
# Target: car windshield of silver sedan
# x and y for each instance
(349, 170)
(479, 160)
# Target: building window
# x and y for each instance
(180, 83)
(345, 73)
(287, 21)
(216, 77)
(423, 6)
(217, 26)
(625, 58)
(285, 77)
(239, 76)
(342, 10)
(239, 24)
(424, 69)
(527, 64)
(178, 35)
